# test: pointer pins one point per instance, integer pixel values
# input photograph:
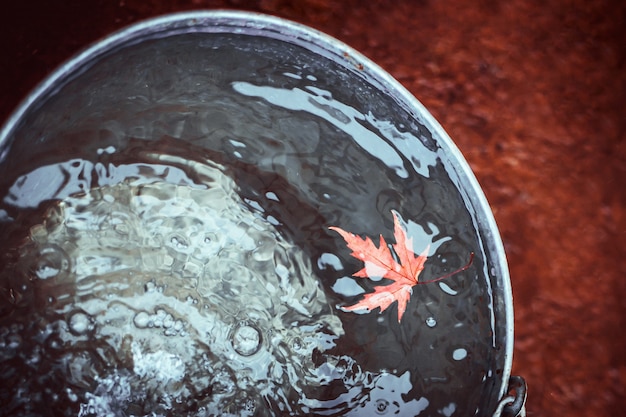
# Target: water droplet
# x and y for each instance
(431, 322)
(80, 323)
(246, 340)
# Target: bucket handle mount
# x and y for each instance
(513, 404)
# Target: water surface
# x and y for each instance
(171, 255)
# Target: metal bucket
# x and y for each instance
(115, 299)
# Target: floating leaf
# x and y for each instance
(380, 262)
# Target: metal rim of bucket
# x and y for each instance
(250, 23)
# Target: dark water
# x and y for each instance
(183, 266)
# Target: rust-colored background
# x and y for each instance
(533, 93)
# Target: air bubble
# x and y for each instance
(246, 340)
(159, 318)
(179, 243)
(381, 406)
(168, 321)
(142, 320)
(80, 323)
(51, 262)
(296, 344)
(178, 325)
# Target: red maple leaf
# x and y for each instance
(380, 262)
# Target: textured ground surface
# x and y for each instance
(534, 94)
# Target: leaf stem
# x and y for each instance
(461, 269)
